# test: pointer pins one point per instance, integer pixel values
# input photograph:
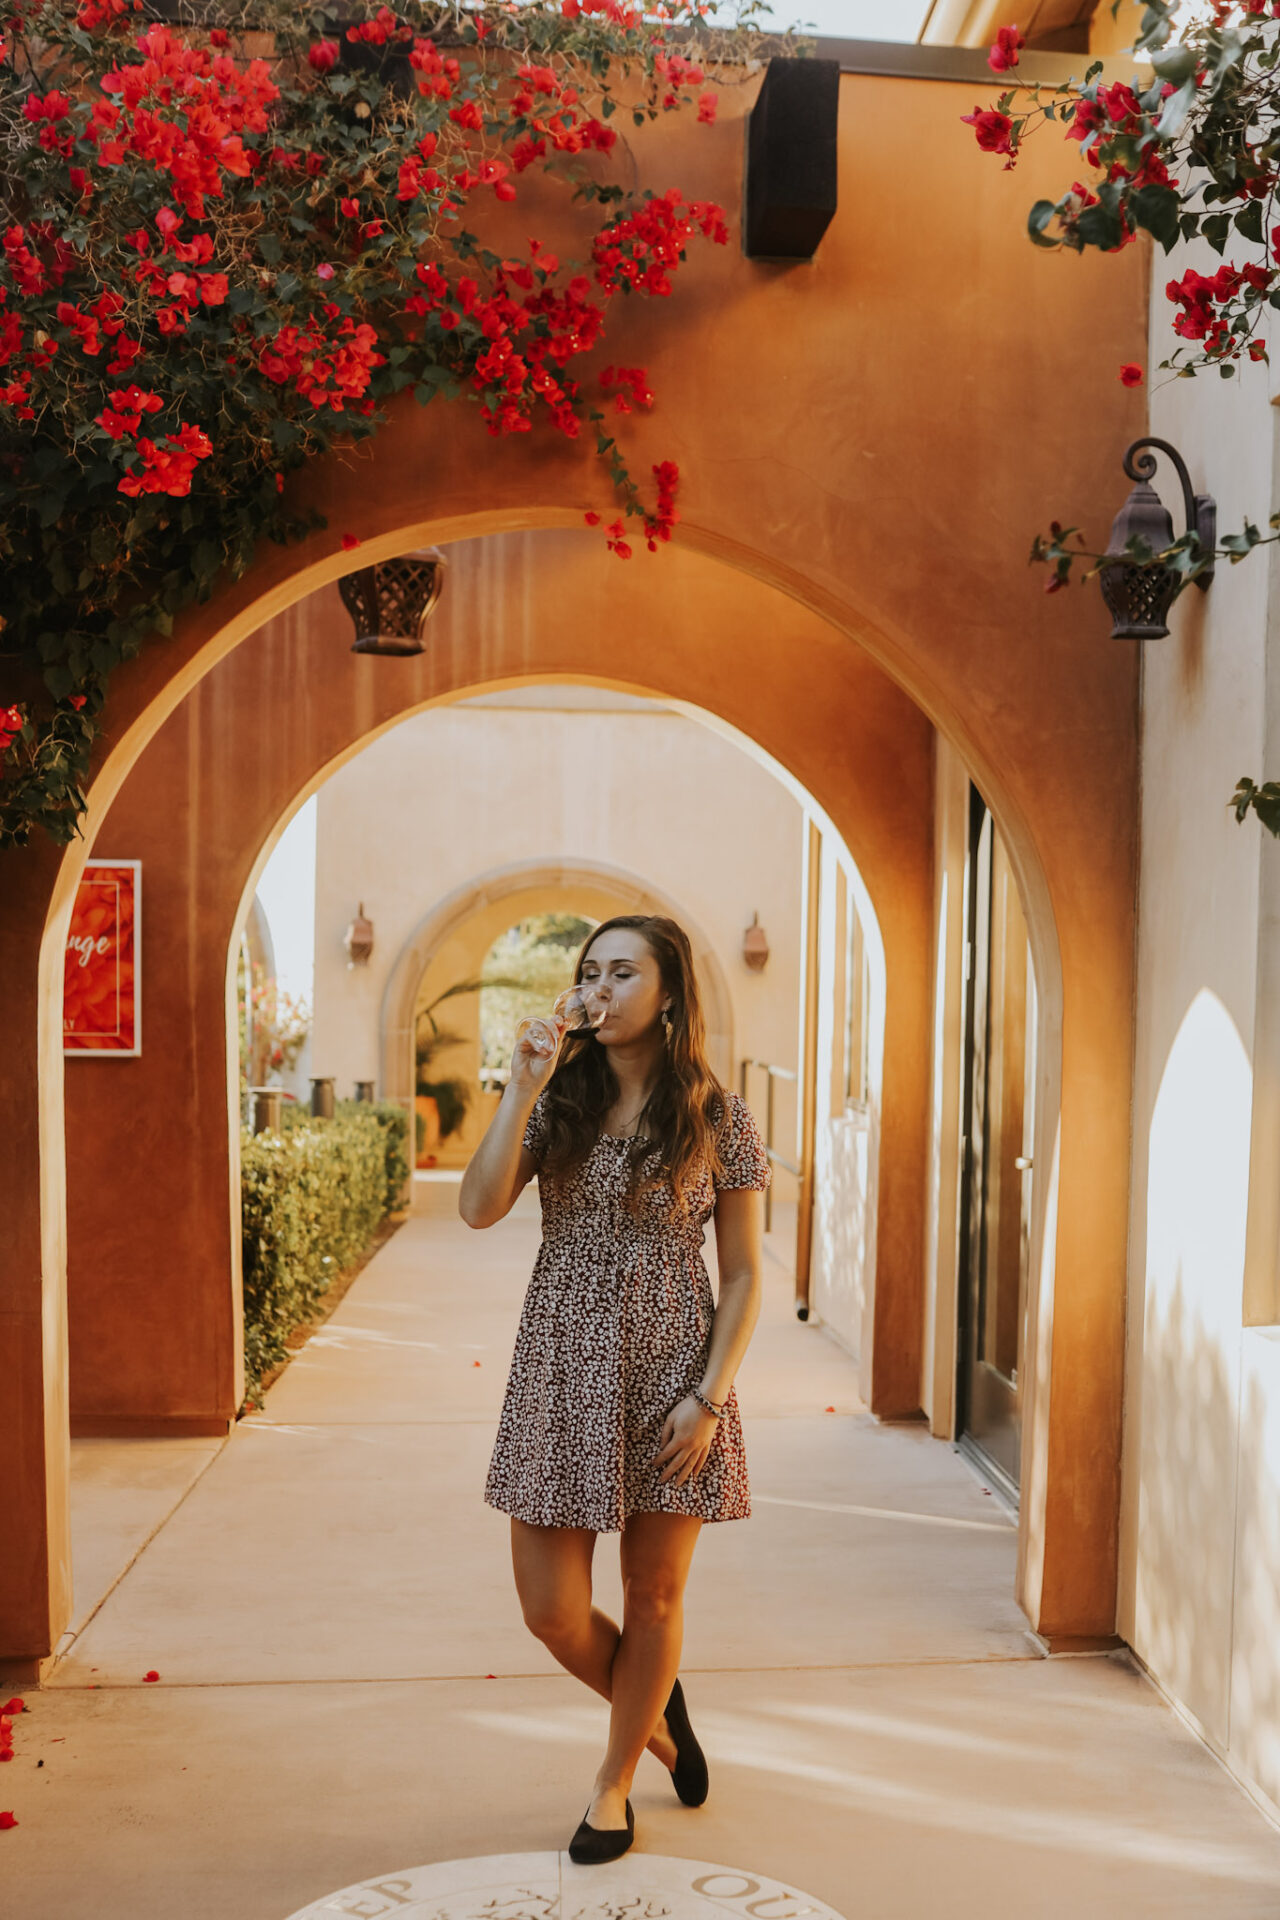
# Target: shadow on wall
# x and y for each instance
(842, 1224)
(1197, 1193)
(1255, 1663)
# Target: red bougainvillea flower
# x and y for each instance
(991, 130)
(15, 1705)
(124, 414)
(323, 56)
(76, 700)
(168, 468)
(1004, 52)
(1130, 375)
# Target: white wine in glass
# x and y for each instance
(577, 1010)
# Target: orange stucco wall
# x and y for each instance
(876, 434)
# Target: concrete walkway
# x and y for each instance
(347, 1689)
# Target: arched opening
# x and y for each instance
(879, 972)
(493, 900)
(803, 732)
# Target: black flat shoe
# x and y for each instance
(590, 1845)
(690, 1771)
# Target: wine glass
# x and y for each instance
(579, 1009)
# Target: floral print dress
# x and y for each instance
(614, 1331)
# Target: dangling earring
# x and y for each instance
(667, 1028)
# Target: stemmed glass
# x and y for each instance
(578, 1009)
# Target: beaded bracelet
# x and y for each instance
(710, 1405)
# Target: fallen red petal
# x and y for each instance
(14, 1706)
(348, 542)
(8, 1819)
(828, 1409)
(152, 1675)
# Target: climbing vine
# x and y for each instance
(234, 232)
(1193, 155)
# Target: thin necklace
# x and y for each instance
(630, 1122)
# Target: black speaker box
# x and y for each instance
(791, 160)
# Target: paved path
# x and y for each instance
(347, 1689)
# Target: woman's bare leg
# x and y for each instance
(657, 1551)
(553, 1580)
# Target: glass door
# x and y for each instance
(998, 1108)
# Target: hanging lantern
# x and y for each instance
(755, 945)
(1139, 595)
(358, 939)
(391, 601)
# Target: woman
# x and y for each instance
(620, 1413)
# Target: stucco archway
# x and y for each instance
(819, 490)
(631, 893)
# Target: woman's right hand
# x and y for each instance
(534, 1056)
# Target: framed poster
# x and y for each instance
(101, 1008)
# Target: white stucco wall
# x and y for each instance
(545, 774)
(1200, 1547)
(846, 1136)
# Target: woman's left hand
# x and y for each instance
(687, 1433)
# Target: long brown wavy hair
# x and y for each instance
(685, 1113)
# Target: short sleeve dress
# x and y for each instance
(615, 1329)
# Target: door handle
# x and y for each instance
(1024, 1163)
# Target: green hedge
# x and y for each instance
(312, 1197)
(394, 1122)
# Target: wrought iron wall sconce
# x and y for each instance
(358, 939)
(755, 945)
(391, 601)
(1139, 596)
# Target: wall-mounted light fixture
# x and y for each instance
(755, 945)
(391, 602)
(358, 939)
(1139, 596)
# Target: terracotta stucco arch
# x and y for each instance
(840, 448)
(205, 805)
(634, 894)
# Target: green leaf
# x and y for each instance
(1215, 229)
(1249, 221)
(1176, 109)
(1038, 219)
(1099, 228)
(1156, 209)
(1177, 64)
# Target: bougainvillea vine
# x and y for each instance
(231, 238)
(1190, 153)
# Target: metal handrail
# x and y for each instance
(777, 1159)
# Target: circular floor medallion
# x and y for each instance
(548, 1886)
